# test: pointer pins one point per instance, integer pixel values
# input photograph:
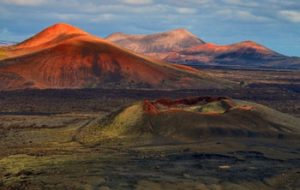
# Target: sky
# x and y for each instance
(273, 23)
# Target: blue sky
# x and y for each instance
(274, 23)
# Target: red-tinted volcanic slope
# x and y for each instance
(188, 49)
(239, 53)
(52, 35)
(63, 56)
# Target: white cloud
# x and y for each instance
(244, 15)
(137, 2)
(103, 18)
(65, 16)
(292, 16)
(114, 8)
(7, 35)
(185, 10)
(241, 15)
(242, 3)
(4, 31)
(24, 2)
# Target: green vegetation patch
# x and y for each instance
(15, 164)
(15, 167)
(129, 117)
(3, 53)
(115, 125)
(213, 107)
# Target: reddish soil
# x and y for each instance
(188, 101)
(153, 107)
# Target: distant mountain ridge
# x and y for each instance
(183, 47)
(6, 43)
(63, 56)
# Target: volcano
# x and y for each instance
(181, 46)
(52, 35)
(63, 56)
(190, 120)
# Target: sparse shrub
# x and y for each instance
(242, 84)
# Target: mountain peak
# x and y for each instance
(116, 36)
(249, 43)
(63, 28)
(168, 41)
(256, 46)
(181, 30)
(55, 33)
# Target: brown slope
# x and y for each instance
(244, 54)
(241, 47)
(174, 40)
(211, 53)
(85, 61)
